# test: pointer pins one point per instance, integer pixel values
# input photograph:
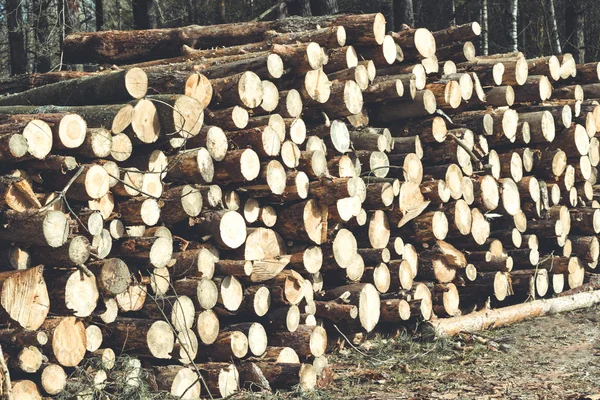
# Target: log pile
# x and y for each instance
(226, 212)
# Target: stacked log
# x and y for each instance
(228, 213)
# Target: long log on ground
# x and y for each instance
(487, 318)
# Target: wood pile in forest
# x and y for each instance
(225, 201)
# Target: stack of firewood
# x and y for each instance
(221, 202)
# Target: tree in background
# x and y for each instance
(141, 14)
(484, 27)
(324, 7)
(574, 26)
(43, 49)
(514, 29)
(16, 37)
(404, 13)
(555, 41)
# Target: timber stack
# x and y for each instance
(223, 202)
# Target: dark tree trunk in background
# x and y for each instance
(299, 7)
(141, 14)
(99, 15)
(555, 41)
(574, 24)
(324, 7)
(578, 33)
(42, 62)
(16, 39)
(513, 29)
(484, 27)
(221, 11)
(386, 7)
(404, 13)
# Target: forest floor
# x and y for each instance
(554, 357)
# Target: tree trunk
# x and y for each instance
(16, 38)
(141, 14)
(484, 27)
(42, 62)
(554, 39)
(404, 14)
(324, 7)
(574, 20)
(514, 32)
(299, 7)
(99, 15)
(386, 7)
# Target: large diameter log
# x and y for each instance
(422, 105)
(286, 375)
(147, 338)
(73, 293)
(363, 295)
(24, 389)
(256, 334)
(37, 134)
(68, 130)
(457, 33)
(98, 89)
(24, 297)
(53, 379)
(179, 114)
(243, 89)
(90, 184)
(75, 252)
(237, 166)
(227, 227)
(307, 340)
(485, 318)
(180, 202)
(303, 221)
(203, 292)
(154, 251)
(227, 345)
(16, 194)
(181, 382)
(69, 341)
(221, 379)
(194, 166)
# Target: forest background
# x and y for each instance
(32, 31)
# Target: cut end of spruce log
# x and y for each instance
(53, 379)
(368, 307)
(69, 342)
(250, 89)
(425, 42)
(232, 229)
(55, 228)
(145, 122)
(39, 138)
(207, 327)
(275, 66)
(72, 131)
(136, 83)
(160, 340)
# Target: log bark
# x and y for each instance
(124, 85)
(485, 318)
